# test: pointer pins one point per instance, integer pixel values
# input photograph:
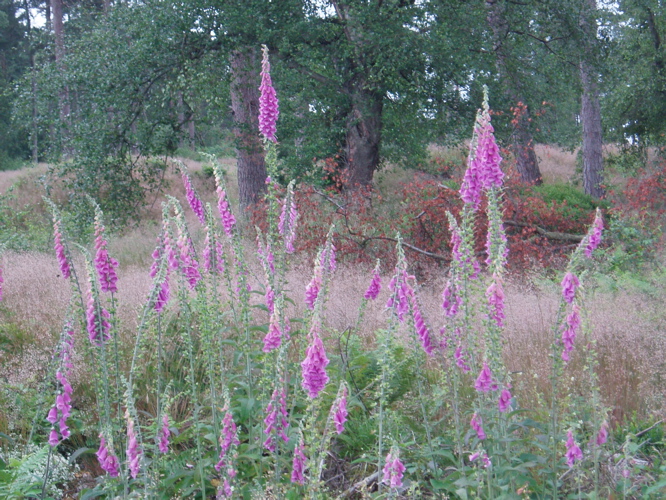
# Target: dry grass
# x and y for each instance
(628, 325)
(557, 165)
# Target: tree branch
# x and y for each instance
(552, 235)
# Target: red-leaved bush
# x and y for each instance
(366, 222)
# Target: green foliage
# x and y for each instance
(22, 228)
(629, 160)
(635, 242)
(22, 475)
(572, 197)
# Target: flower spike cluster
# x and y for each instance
(375, 284)
(133, 450)
(105, 265)
(484, 382)
(62, 409)
(477, 424)
(188, 263)
(593, 238)
(298, 465)
(108, 460)
(228, 439)
(192, 198)
(97, 317)
(315, 363)
(164, 435)
(268, 102)
(339, 409)
(483, 170)
(574, 452)
(276, 419)
(228, 219)
(60, 250)
(393, 470)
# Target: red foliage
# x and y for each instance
(645, 193)
(366, 224)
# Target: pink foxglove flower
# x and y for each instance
(485, 460)
(504, 403)
(483, 171)
(105, 265)
(228, 438)
(62, 408)
(2, 282)
(573, 451)
(314, 287)
(228, 219)
(298, 467)
(569, 285)
(268, 102)
(451, 300)
(470, 190)
(421, 329)
(495, 296)
(270, 299)
(484, 381)
(157, 258)
(593, 239)
(188, 264)
(487, 153)
(273, 338)
(340, 411)
(107, 459)
(570, 331)
(225, 490)
(97, 321)
(276, 419)
(206, 253)
(162, 296)
(193, 200)
(602, 435)
(53, 438)
(400, 293)
(332, 262)
(164, 435)
(456, 242)
(133, 450)
(315, 363)
(460, 359)
(393, 471)
(375, 285)
(477, 425)
(60, 251)
(288, 220)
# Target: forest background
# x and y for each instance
(376, 102)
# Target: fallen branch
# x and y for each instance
(552, 235)
(361, 484)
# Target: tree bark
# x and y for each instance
(522, 141)
(245, 81)
(364, 127)
(58, 30)
(593, 165)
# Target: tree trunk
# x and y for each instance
(364, 127)
(593, 165)
(34, 134)
(58, 30)
(245, 81)
(522, 142)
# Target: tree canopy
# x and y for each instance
(359, 82)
